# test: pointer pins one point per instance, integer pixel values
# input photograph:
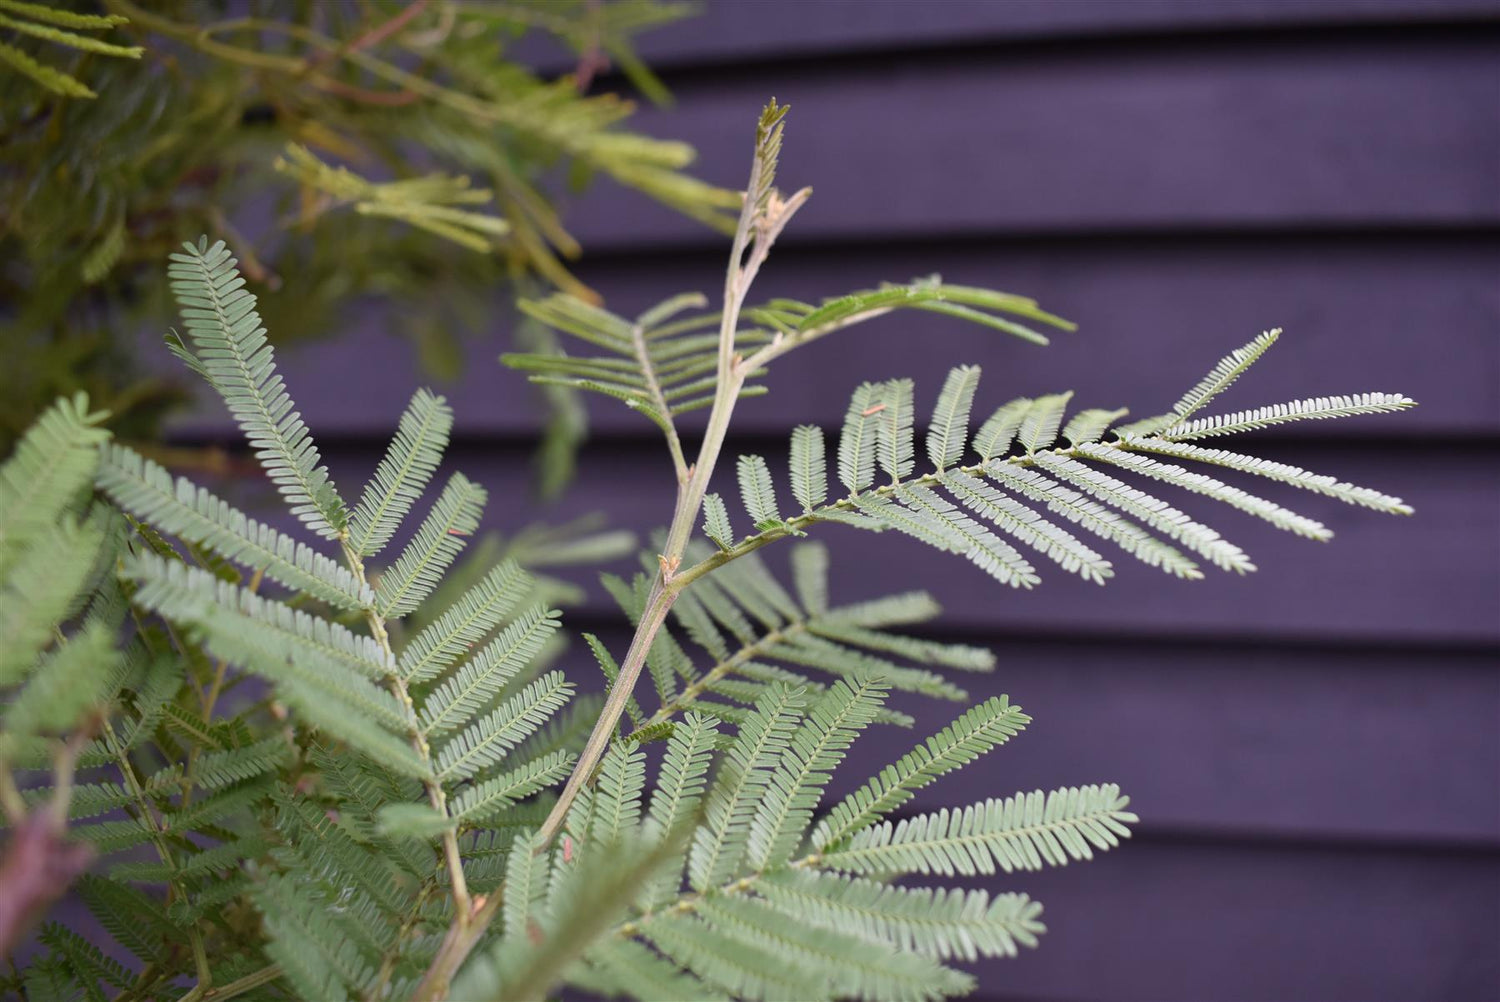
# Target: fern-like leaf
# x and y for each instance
(314, 666)
(716, 522)
(999, 430)
(1094, 517)
(316, 955)
(1198, 483)
(893, 431)
(829, 963)
(416, 573)
(484, 801)
(818, 746)
(809, 467)
(945, 924)
(1282, 472)
(478, 611)
(733, 801)
(220, 316)
(948, 434)
(979, 730)
(486, 741)
(403, 473)
(1312, 409)
(1041, 421)
(471, 686)
(191, 513)
(1020, 522)
(1225, 372)
(1022, 832)
(857, 440)
(49, 471)
(1090, 425)
(1151, 511)
(758, 492)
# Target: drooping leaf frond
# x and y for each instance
(321, 958)
(40, 585)
(69, 680)
(191, 513)
(319, 667)
(816, 749)
(1017, 520)
(486, 741)
(734, 799)
(1200, 483)
(763, 917)
(433, 202)
(59, 27)
(475, 682)
(1272, 470)
(220, 316)
(1149, 511)
(484, 801)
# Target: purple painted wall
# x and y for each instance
(1315, 750)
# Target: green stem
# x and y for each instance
(249, 982)
(436, 795)
(158, 839)
(723, 668)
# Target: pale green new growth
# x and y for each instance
(59, 27)
(432, 203)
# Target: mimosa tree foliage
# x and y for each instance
(413, 803)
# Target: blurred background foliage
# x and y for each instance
(343, 149)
